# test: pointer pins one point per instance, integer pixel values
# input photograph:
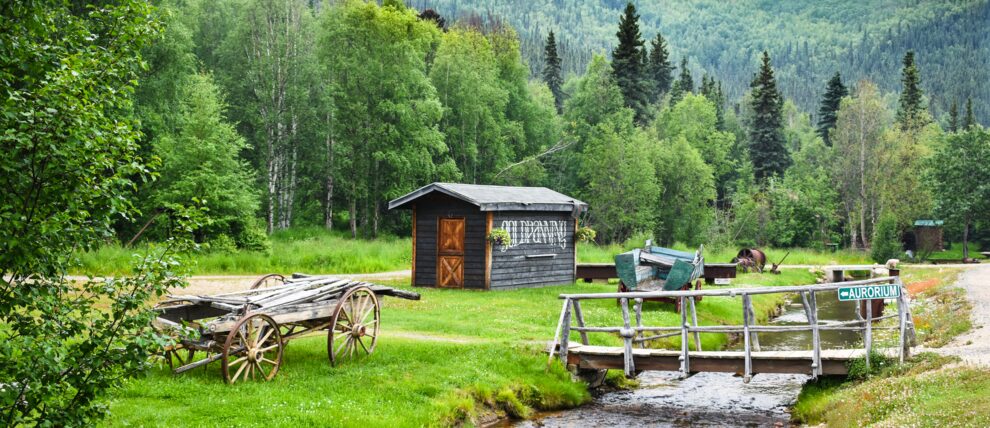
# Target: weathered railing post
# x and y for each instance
(685, 358)
(747, 375)
(639, 320)
(556, 334)
(806, 300)
(627, 334)
(752, 320)
(902, 318)
(869, 334)
(579, 318)
(817, 352)
(694, 321)
(565, 333)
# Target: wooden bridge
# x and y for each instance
(584, 358)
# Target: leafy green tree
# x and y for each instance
(766, 140)
(954, 117)
(69, 163)
(660, 69)
(695, 119)
(911, 111)
(551, 72)
(804, 204)
(628, 61)
(201, 161)
(960, 180)
(385, 110)
(685, 206)
(834, 92)
(465, 75)
(886, 240)
(621, 188)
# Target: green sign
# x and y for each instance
(867, 292)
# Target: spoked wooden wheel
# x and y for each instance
(354, 327)
(253, 349)
(270, 280)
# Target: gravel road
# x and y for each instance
(974, 346)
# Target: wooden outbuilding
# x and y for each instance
(451, 223)
(928, 235)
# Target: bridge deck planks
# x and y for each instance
(797, 362)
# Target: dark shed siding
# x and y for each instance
(428, 209)
(546, 234)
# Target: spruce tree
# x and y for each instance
(660, 70)
(713, 92)
(910, 112)
(970, 120)
(766, 139)
(954, 117)
(627, 64)
(684, 83)
(551, 72)
(834, 92)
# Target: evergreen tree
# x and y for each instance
(910, 110)
(834, 92)
(683, 84)
(713, 92)
(766, 139)
(551, 72)
(954, 117)
(627, 64)
(970, 120)
(660, 70)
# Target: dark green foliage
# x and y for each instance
(970, 120)
(953, 117)
(628, 64)
(713, 91)
(960, 180)
(879, 363)
(910, 111)
(683, 85)
(551, 72)
(660, 69)
(766, 140)
(886, 242)
(68, 165)
(834, 92)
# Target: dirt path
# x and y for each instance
(974, 346)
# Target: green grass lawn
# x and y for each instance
(440, 361)
(955, 252)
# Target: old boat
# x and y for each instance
(658, 268)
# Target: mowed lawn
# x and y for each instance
(440, 361)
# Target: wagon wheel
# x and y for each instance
(175, 358)
(253, 349)
(270, 280)
(355, 325)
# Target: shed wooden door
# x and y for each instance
(450, 253)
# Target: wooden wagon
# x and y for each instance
(659, 269)
(247, 331)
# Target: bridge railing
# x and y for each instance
(572, 320)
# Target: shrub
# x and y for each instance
(499, 236)
(886, 240)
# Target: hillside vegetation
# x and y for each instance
(810, 40)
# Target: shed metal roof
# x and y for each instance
(929, 223)
(497, 198)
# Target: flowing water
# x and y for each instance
(714, 399)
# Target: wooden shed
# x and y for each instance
(452, 221)
(928, 235)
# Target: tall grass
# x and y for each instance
(311, 250)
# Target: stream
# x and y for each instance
(663, 399)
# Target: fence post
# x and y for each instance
(685, 359)
(817, 353)
(579, 317)
(694, 321)
(639, 320)
(869, 334)
(556, 334)
(813, 323)
(747, 375)
(565, 334)
(627, 336)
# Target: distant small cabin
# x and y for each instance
(451, 223)
(928, 235)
